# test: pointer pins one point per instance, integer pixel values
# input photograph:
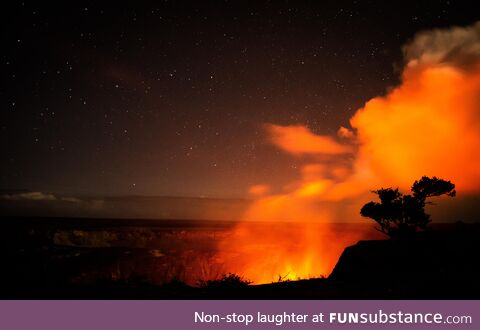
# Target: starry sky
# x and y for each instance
(170, 97)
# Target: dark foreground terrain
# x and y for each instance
(53, 258)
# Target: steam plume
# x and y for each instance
(428, 125)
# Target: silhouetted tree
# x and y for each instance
(400, 215)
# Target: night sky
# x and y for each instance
(170, 98)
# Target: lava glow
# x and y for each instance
(428, 125)
(272, 251)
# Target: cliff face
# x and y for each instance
(446, 263)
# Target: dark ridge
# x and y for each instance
(74, 258)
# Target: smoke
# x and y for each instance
(259, 190)
(428, 125)
(457, 46)
(300, 140)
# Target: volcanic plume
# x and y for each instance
(428, 125)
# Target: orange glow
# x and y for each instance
(259, 190)
(272, 251)
(300, 140)
(428, 125)
(313, 188)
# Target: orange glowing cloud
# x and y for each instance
(259, 190)
(428, 125)
(298, 139)
(345, 133)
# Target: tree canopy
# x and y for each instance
(398, 214)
